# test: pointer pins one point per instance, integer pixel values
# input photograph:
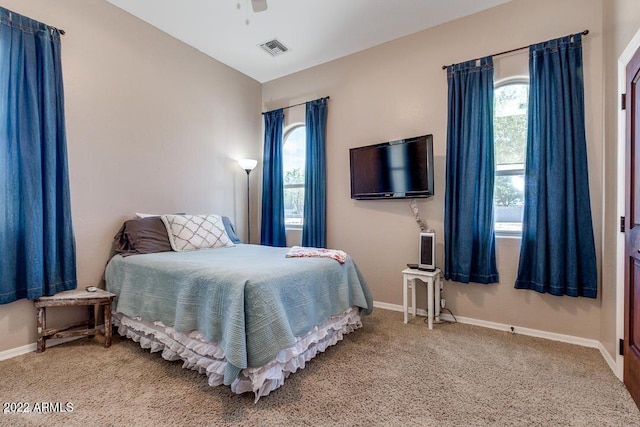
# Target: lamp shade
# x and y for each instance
(248, 164)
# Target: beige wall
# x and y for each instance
(621, 20)
(136, 99)
(152, 125)
(399, 90)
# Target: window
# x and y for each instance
(293, 161)
(510, 135)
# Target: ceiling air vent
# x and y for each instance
(274, 47)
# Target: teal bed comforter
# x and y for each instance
(250, 299)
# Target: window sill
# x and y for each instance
(508, 235)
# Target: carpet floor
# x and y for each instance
(385, 374)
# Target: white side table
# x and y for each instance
(432, 280)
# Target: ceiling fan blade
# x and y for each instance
(259, 5)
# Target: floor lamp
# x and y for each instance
(248, 165)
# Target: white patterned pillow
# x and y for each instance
(190, 232)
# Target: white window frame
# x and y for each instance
(288, 131)
(510, 171)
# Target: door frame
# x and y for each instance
(623, 60)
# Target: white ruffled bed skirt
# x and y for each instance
(208, 358)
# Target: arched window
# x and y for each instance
(293, 164)
(510, 138)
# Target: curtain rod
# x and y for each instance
(300, 103)
(62, 32)
(444, 67)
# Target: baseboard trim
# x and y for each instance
(570, 339)
(392, 307)
(29, 348)
(610, 361)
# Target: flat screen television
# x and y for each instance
(400, 169)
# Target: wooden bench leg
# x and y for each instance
(41, 329)
(92, 321)
(107, 325)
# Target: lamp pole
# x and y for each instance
(248, 209)
(248, 165)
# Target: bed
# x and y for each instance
(247, 316)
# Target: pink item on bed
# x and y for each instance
(299, 251)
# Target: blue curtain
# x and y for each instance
(557, 252)
(272, 231)
(468, 214)
(37, 248)
(314, 230)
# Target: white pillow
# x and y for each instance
(144, 215)
(190, 232)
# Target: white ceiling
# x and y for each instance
(315, 31)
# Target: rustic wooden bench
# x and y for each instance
(74, 298)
